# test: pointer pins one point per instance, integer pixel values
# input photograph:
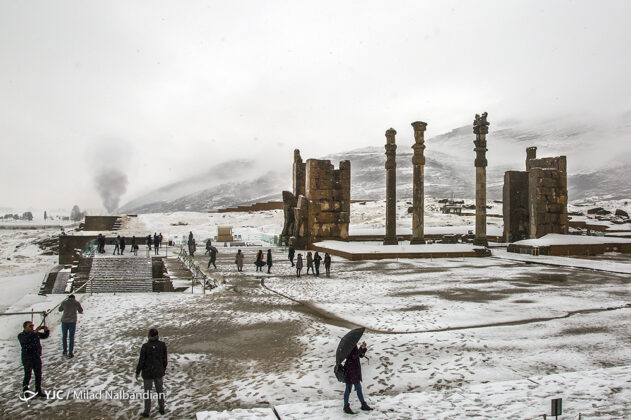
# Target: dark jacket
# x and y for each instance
(213, 255)
(31, 347)
(291, 254)
(153, 359)
(353, 367)
(269, 258)
(327, 261)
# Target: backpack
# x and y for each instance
(340, 372)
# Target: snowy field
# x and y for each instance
(451, 338)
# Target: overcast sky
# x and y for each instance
(162, 90)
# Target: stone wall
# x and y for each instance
(535, 201)
(319, 207)
(516, 213)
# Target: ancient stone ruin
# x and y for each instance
(480, 129)
(535, 201)
(320, 204)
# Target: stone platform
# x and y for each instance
(356, 251)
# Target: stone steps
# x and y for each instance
(119, 286)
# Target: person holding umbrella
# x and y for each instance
(351, 372)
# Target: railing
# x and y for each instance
(198, 274)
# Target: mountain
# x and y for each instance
(598, 153)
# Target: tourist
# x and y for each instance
(316, 262)
(239, 260)
(298, 265)
(153, 364)
(31, 355)
(259, 261)
(69, 307)
(160, 237)
(213, 257)
(291, 254)
(117, 245)
(149, 242)
(122, 245)
(156, 243)
(192, 246)
(208, 245)
(353, 371)
(309, 262)
(269, 261)
(134, 246)
(327, 264)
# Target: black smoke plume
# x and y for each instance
(111, 184)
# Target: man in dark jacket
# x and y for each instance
(152, 364)
(69, 307)
(213, 257)
(353, 377)
(31, 355)
(291, 254)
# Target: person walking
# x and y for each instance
(239, 260)
(213, 257)
(316, 262)
(208, 245)
(149, 241)
(192, 247)
(269, 261)
(291, 254)
(309, 262)
(259, 261)
(354, 377)
(69, 307)
(117, 245)
(327, 264)
(32, 355)
(152, 364)
(156, 243)
(122, 245)
(160, 238)
(298, 265)
(134, 246)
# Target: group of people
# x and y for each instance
(120, 244)
(156, 241)
(152, 362)
(312, 261)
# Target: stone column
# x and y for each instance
(391, 189)
(418, 183)
(480, 129)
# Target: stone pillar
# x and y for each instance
(531, 154)
(391, 189)
(480, 129)
(299, 174)
(418, 183)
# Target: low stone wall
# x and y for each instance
(572, 250)
(99, 223)
(385, 256)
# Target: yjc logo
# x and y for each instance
(27, 396)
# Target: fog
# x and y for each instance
(159, 91)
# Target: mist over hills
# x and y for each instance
(599, 162)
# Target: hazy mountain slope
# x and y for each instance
(599, 158)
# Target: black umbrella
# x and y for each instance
(347, 344)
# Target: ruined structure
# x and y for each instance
(319, 206)
(391, 189)
(418, 183)
(480, 129)
(535, 200)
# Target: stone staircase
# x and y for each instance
(117, 224)
(119, 275)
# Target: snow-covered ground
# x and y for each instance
(451, 338)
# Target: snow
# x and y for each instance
(558, 239)
(593, 393)
(14, 288)
(402, 247)
(600, 265)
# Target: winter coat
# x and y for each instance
(70, 307)
(149, 241)
(213, 255)
(153, 359)
(327, 261)
(31, 347)
(260, 262)
(353, 367)
(309, 260)
(208, 245)
(269, 258)
(299, 262)
(239, 259)
(316, 259)
(291, 254)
